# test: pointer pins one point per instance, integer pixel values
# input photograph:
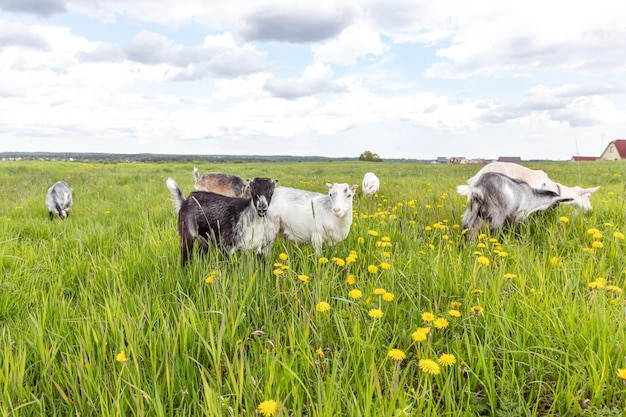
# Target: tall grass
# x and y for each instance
(98, 318)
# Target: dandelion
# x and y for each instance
(278, 271)
(375, 313)
(477, 310)
(428, 317)
(210, 279)
(340, 262)
(477, 292)
(621, 374)
(428, 228)
(618, 235)
(379, 291)
(564, 219)
(419, 335)
(441, 323)
(614, 288)
(322, 260)
(320, 352)
(455, 305)
(388, 296)
(454, 313)
(303, 278)
(502, 254)
(283, 257)
(483, 260)
(322, 307)
(268, 408)
(592, 231)
(372, 233)
(121, 357)
(355, 294)
(555, 261)
(396, 355)
(447, 359)
(509, 276)
(385, 265)
(429, 366)
(351, 279)
(372, 269)
(597, 245)
(350, 259)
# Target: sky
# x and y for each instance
(403, 79)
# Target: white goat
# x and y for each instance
(370, 184)
(59, 200)
(503, 200)
(313, 218)
(580, 197)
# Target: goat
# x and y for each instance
(313, 218)
(59, 200)
(503, 200)
(370, 184)
(580, 197)
(231, 223)
(219, 183)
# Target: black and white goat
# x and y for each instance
(503, 200)
(59, 200)
(231, 223)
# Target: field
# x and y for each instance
(404, 318)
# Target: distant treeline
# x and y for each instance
(147, 157)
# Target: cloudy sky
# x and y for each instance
(404, 79)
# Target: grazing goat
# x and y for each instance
(503, 200)
(231, 223)
(370, 184)
(219, 183)
(580, 197)
(59, 200)
(309, 217)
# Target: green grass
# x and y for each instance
(76, 293)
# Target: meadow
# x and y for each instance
(404, 318)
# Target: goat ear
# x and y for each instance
(590, 190)
(354, 187)
(275, 182)
(329, 185)
(249, 181)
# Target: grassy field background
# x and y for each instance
(403, 318)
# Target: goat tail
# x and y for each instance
(469, 191)
(177, 194)
(196, 174)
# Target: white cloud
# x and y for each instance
(354, 42)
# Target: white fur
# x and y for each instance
(370, 185)
(539, 179)
(312, 218)
(59, 199)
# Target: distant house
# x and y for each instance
(584, 158)
(615, 151)
(515, 159)
(442, 160)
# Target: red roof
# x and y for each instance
(620, 145)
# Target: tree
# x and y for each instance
(369, 156)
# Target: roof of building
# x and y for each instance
(620, 145)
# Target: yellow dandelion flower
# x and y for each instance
(121, 357)
(447, 359)
(278, 271)
(429, 366)
(283, 257)
(375, 313)
(388, 296)
(267, 408)
(322, 307)
(355, 294)
(428, 317)
(340, 262)
(351, 279)
(621, 373)
(385, 239)
(372, 269)
(379, 291)
(592, 231)
(454, 313)
(618, 235)
(477, 310)
(509, 276)
(440, 323)
(303, 278)
(476, 292)
(419, 335)
(372, 233)
(360, 240)
(598, 235)
(350, 259)
(597, 245)
(564, 219)
(209, 279)
(502, 254)
(322, 260)
(397, 354)
(428, 228)
(554, 261)
(386, 254)
(481, 236)
(613, 288)
(320, 352)
(455, 305)
(483, 260)
(385, 266)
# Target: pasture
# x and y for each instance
(403, 318)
